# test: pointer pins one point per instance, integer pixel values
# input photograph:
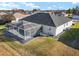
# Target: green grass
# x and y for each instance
(41, 46)
(69, 16)
(38, 46)
(2, 26)
(76, 25)
(71, 37)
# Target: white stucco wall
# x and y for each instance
(62, 27)
(56, 30)
(49, 30)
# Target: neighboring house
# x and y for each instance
(9, 12)
(64, 14)
(39, 23)
(3, 13)
(61, 14)
(28, 12)
(75, 17)
(18, 16)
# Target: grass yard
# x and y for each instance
(38, 46)
(76, 25)
(71, 37)
(2, 26)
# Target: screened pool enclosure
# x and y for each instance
(23, 29)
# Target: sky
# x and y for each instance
(38, 5)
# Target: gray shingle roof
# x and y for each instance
(59, 20)
(47, 19)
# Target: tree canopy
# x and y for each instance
(74, 10)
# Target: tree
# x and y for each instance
(77, 9)
(18, 10)
(34, 10)
(69, 11)
(8, 17)
(74, 10)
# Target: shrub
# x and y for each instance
(2, 22)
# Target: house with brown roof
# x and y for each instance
(18, 16)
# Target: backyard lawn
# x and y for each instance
(38, 46)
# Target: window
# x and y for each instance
(21, 32)
(49, 28)
(66, 24)
(27, 33)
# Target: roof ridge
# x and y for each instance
(52, 19)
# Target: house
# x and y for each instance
(18, 16)
(3, 13)
(64, 14)
(39, 23)
(75, 17)
(51, 24)
(60, 13)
